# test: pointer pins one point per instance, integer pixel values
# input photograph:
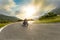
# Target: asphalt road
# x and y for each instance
(33, 32)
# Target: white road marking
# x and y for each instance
(3, 27)
(6, 26)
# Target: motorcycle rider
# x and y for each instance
(25, 22)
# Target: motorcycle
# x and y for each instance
(25, 23)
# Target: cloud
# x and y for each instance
(9, 7)
(6, 7)
(45, 6)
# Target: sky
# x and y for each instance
(14, 7)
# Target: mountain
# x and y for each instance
(57, 11)
(4, 18)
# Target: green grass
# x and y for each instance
(49, 20)
(3, 24)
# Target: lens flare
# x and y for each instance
(35, 9)
(29, 11)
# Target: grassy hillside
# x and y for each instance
(57, 10)
(49, 20)
(50, 17)
(4, 20)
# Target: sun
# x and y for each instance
(29, 11)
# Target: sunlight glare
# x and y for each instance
(29, 11)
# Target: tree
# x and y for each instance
(48, 15)
(51, 14)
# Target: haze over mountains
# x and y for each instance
(4, 18)
(57, 11)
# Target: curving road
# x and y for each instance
(33, 32)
